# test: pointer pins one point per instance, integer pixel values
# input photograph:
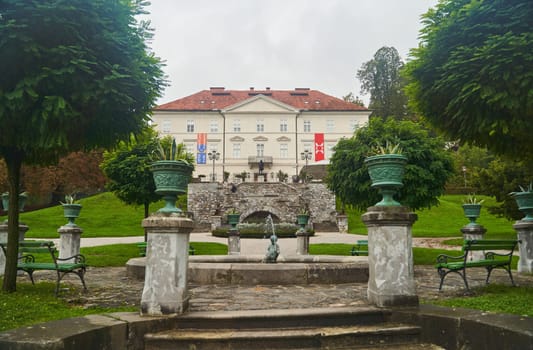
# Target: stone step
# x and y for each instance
(284, 318)
(308, 338)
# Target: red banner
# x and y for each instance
(319, 147)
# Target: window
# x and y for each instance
(330, 125)
(307, 126)
(308, 147)
(190, 125)
(190, 148)
(284, 150)
(260, 125)
(354, 125)
(329, 150)
(236, 150)
(165, 127)
(283, 125)
(213, 126)
(236, 125)
(260, 147)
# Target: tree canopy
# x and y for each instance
(76, 75)
(472, 75)
(381, 78)
(429, 165)
(128, 171)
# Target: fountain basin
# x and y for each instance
(250, 270)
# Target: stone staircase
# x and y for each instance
(302, 329)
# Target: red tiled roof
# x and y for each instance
(219, 98)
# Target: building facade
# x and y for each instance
(258, 134)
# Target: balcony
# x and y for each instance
(253, 161)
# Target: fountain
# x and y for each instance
(273, 249)
(270, 268)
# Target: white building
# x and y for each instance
(249, 129)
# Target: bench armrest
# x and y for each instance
(78, 259)
(26, 258)
(443, 258)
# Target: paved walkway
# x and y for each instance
(259, 246)
(112, 287)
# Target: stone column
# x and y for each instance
(167, 260)
(472, 232)
(234, 242)
(342, 223)
(390, 256)
(69, 241)
(524, 228)
(23, 228)
(302, 242)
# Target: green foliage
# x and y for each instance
(76, 75)
(473, 159)
(471, 199)
(501, 177)
(128, 170)
(381, 78)
(471, 75)
(426, 173)
(168, 149)
(495, 298)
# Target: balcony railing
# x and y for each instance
(253, 161)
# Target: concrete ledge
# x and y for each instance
(452, 329)
(249, 270)
(458, 328)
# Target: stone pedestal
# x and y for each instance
(342, 223)
(23, 228)
(302, 243)
(234, 242)
(69, 241)
(472, 232)
(525, 235)
(390, 256)
(167, 260)
(215, 221)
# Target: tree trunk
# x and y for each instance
(146, 214)
(13, 163)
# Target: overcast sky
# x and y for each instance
(282, 44)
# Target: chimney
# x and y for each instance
(268, 88)
(251, 88)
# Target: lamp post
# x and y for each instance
(306, 155)
(214, 156)
(464, 174)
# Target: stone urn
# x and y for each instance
(302, 219)
(22, 200)
(524, 200)
(386, 173)
(171, 178)
(233, 219)
(71, 212)
(472, 212)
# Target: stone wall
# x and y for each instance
(283, 200)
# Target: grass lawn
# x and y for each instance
(447, 219)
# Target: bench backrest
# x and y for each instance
(34, 247)
(490, 244)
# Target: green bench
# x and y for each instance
(361, 248)
(27, 261)
(497, 254)
(142, 249)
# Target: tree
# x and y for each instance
(471, 75)
(429, 165)
(128, 171)
(355, 100)
(381, 78)
(76, 75)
